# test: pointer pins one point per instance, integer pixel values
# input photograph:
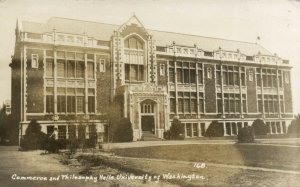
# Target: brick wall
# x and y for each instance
(210, 90)
(287, 93)
(103, 85)
(35, 82)
(162, 79)
(251, 91)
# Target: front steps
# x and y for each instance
(149, 136)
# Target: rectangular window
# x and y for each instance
(71, 104)
(171, 75)
(186, 105)
(92, 132)
(80, 104)
(258, 77)
(71, 69)
(179, 75)
(200, 74)
(60, 68)
(244, 103)
(49, 67)
(180, 105)
(201, 102)
(90, 70)
(192, 76)
(80, 69)
(219, 102)
(81, 132)
(218, 77)
(62, 130)
(172, 105)
(195, 129)
(226, 103)
(49, 100)
(61, 103)
(91, 100)
(193, 105)
(72, 132)
(49, 103)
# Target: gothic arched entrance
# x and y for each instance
(148, 108)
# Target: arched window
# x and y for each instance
(134, 59)
(134, 43)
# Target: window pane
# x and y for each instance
(60, 68)
(80, 70)
(49, 67)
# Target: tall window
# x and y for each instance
(71, 68)
(90, 70)
(200, 73)
(61, 100)
(172, 102)
(171, 74)
(49, 100)
(71, 100)
(60, 68)
(80, 100)
(49, 67)
(80, 69)
(91, 100)
(134, 59)
(201, 102)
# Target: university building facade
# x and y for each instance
(66, 73)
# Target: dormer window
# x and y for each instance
(34, 61)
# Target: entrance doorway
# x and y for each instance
(148, 123)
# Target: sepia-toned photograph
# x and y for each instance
(162, 93)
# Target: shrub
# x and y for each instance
(122, 131)
(259, 127)
(177, 130)
(167, 135)
(214, 130)
(246, 135)
(33, 138)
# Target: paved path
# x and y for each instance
(287, 142)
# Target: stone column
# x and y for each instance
(224, 127)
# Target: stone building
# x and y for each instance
(66, 72)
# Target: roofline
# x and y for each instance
(187, 34)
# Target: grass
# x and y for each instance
(268, 156)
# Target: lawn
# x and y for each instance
(268, 156)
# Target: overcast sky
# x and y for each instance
(276, 22)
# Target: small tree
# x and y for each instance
(214, 130)
(259, 127)
(294, 128)
(34, 137)
(177, 130)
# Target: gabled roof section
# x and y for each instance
(104, 31)
(132, 21)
